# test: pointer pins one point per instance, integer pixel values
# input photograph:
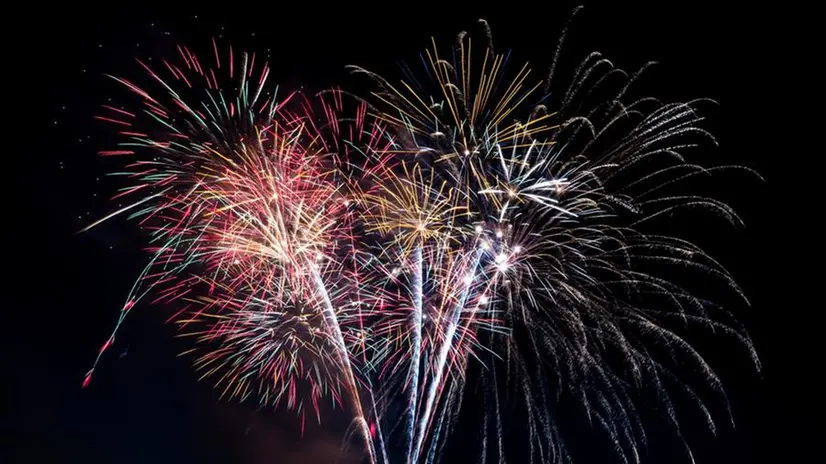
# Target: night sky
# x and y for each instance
(144, 404)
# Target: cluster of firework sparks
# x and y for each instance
(370, 250)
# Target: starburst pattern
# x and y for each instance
(467, 223)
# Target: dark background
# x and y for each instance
(144, 405)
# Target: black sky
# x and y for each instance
(144, 405)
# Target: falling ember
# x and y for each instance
(88, 378)
(107, 344)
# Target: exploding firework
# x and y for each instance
(520, 213)
(245, 200)
(464, 224)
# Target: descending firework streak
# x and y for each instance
(465, 224)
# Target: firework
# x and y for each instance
(465, 224)
(245, 200)
(519, 211)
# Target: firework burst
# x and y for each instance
(521, 213)
(465, 224)
(245, 199)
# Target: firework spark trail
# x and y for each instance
(415, 361)
(444, 351)
(377, 421)
(344, 355)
